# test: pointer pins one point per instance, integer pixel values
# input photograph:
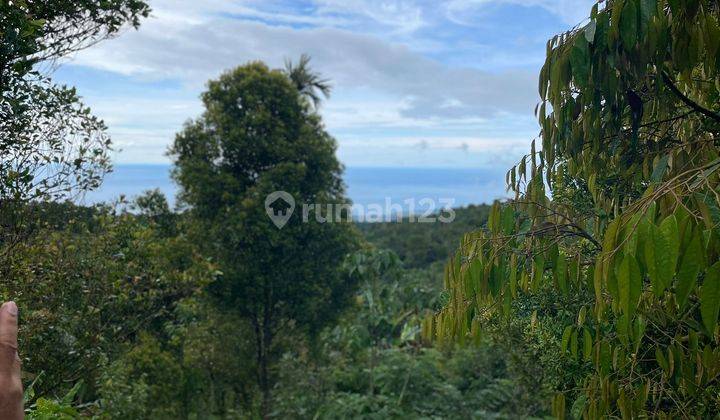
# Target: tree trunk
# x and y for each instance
(263, 340)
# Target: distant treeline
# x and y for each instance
(421, 244)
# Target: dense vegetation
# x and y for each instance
(420, 245)
(594, 293)
(630, 127)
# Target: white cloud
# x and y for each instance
(403, 16)
(388, 92)
(193, 53)
(571, 12)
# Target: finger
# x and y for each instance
(9, 360)
(11, 391)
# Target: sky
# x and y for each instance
(416, 83)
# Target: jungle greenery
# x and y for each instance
(594, 293)
(618, 212)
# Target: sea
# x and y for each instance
(415, 190)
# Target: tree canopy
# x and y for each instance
(258, 136)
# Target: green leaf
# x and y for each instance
(648, 9)
(692, 261)
(661, 360)
(538, 271)
(580, 61)
(629, 285)
(671, 234)
(639, 331)
(662, 247)
(629, 24)
(574, 344)
(587, 344)
(561, 273)
(660, 168)
(590, 31)
(566, 338)
(508, 220)
(710, 297)
(578, 407)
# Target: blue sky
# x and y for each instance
(417, 83)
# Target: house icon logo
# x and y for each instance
(280, 206)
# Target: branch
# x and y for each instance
(689, 102)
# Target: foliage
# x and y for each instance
(51, 146)
(122, 396)
(257, 137)
(35, 31)
(629, 119)
(421, 244)
(92, 286)
(310, 84)
(371, 365)
(52, 409)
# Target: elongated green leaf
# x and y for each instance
(508, 220)
(662, 247)
(693, 261)
(587, 344)
(590, 31)
(566, 338)
(612, 279)
(629, 24)
(710, 297)
(629, 285)
(474, 277)
(642, 233)
(537, 274)
(648, 9)
(660, 169)
(580, 61)
(574, 344)
(561, 273)
(671, 234)
(661, 360)
(610, 236)
(639, 331)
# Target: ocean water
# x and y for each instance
(404, 187)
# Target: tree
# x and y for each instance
(630, 128)
(256, 137)
(51, 147)
(310, 84)
(37, 31)
(88, 284)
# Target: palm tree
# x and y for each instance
(310, 84)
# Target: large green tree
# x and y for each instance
(619, 210)
(258, 136)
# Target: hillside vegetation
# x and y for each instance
(593, 293)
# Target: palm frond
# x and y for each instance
(310, 84)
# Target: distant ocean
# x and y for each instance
(364, 185)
